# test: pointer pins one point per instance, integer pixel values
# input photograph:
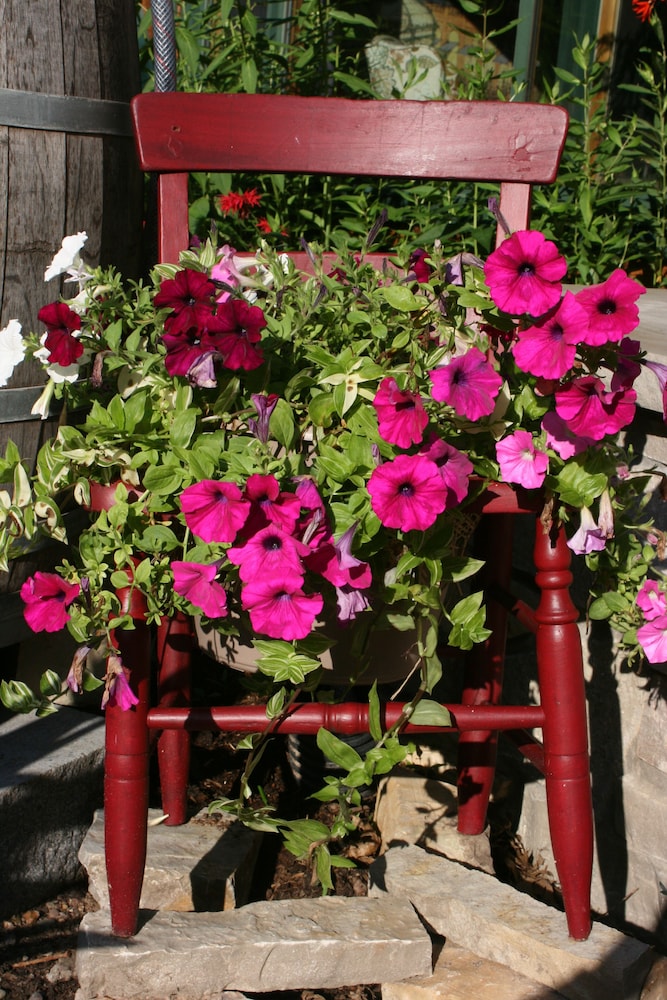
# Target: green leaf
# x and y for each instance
(249, 76)
(164, 480)
(281, 424)
(400, 297)
(430, 713)
(182, 428)
(374, 722)
(337, 751)
(50, 684)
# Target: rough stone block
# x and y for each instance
(413, 809)
(50, 785)
(205, 864)
(263, 947)
(473, 909)
(460, 975)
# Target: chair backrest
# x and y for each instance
(515, 144)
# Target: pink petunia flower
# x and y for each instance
(190, 296)
(117, 690)
(270, 505)
(196, 582)
(401, 414)
(215, 511)
(335, 562)
(350, 602)
(589, 537)
(592, 411)
(46, 597)
(652, 600)
(469, 384)
(408, 492)
(281, 609)
(548, 348)
(453, 465)
(270, 553)
(61, 324)
(524, 274)
(611, 307)
(652, 637)
(521, 461)
(561, 439)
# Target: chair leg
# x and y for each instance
(565, 734)
(126, 786)
(174, 649)
(477, 750)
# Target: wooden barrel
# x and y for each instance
(67, 72)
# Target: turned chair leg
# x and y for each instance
(477, 750)
(174, 650)
(565, 734)
(126, 786)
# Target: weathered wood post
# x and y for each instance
(68, 69)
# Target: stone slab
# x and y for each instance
(473, 909)
(263, 947)
(50, 785)
(414, 809)
(205, 864)
(459, 975)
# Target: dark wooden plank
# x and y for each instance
(457, 139)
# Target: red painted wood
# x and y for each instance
(477, 751)
(174, 651)
(347, 718)
(482, 140)
(126, 786)
(516, 144)
(565, 732)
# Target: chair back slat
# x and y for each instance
(515, 144)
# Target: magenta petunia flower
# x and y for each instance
(270, 505)
(549, 346)
(561, 439)
(589, 537)
(652, 600)
(611, 307)
(521, 461)
(117, 690)
(46, 597)
(215, 511)
(281, 609)
(401, 414)
(196, 582)
(61, 323)
(265, 405)
(469, 384)
(335, 562)
(652, 637)
(628, 368)
(190, 296)
(590, 410)
(524, 274)
(660, 372)
(453, 465)
(270, 553)
(407, 492)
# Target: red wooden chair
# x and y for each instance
(516, 145)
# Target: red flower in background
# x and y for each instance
(240, 202)
(643, 8)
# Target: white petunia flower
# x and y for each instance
(59, 373)
(67, 257)
(12, 349)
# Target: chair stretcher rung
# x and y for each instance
(345, 718)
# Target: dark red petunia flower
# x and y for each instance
(191, 297)
(61, 322)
